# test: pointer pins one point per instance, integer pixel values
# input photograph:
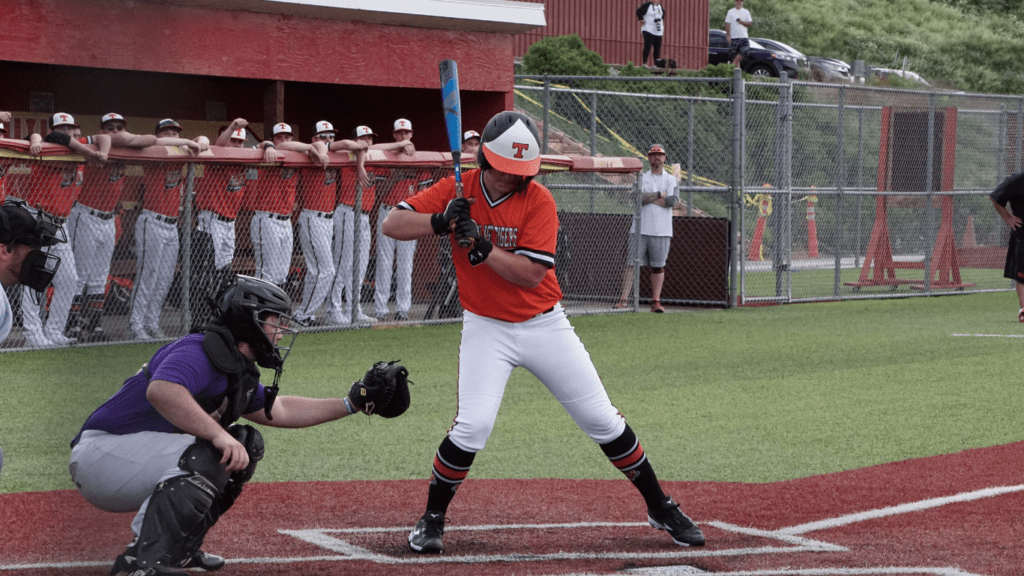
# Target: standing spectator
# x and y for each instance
(658, 194)
(345, 307)
(156, 233)
(273, 200)
(737, 20)
(652, 16)
(166, 445)
(92, 234)
(1011, 191)
(52, 190)
(514, 319)
(402, 184)
(470, 145)
(316, 224)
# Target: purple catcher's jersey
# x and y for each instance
(183, 362)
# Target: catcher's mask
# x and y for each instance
(510, 144)
(18, 226)
(245, 305)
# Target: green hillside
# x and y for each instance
(970, 45)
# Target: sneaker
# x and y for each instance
(156, 332)
(58, 339)
(364, 319)
(336, 320)
(670, 519)
(204, 561)
(426, 535)
(657, 307)
(37, 339)
(382, 317)
(1020, 315)
(137, 334)
(401, 316)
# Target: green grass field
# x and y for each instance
(744, 395)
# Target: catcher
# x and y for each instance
(166, 444)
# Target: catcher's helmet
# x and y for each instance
(243, 305)
(510, 144)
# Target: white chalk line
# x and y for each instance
(992, 335)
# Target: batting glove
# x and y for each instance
(468, 228)
(457, 209)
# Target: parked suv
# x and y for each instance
(760, 61)
(817, 68)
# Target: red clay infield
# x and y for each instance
(950, 515)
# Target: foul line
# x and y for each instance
(900, 509)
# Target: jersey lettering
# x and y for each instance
(331, 176)
(172, 179)
(501, 236)
(116, 172)
(287, 173)
(236, 182)
(69, 177)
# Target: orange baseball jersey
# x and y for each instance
(52, 187)
(221, 189)
(163, 188)
(319, 189)
(101, 189)
(347, 188)
(274, 191)
(410, 182)
(525, 223)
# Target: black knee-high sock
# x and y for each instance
(451, 466)
(628, 456)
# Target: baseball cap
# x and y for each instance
(363, 131)
(470, 134)
(402, 124)
(238, 134)
(282, 128)
(324, 126)
(62, 119)
(166, 123)
(656, 149)
(112, 116)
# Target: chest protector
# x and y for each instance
(242, 373)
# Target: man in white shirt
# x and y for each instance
(658, 194)
(737, 20)
(652, 15)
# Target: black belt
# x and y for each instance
(222, 218)
(276, 216)
(363, 212)
(552, 309)
(320, 214)
(98, 214)
(168, 219)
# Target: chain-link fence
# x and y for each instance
(826, 191)
(151, 234)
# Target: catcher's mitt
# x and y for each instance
(383, 391)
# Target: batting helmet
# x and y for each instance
(243, 305)
(510, 144)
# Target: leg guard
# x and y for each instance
(178, 514)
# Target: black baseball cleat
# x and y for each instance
(670, 519)
(426, 535)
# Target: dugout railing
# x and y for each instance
(104, 204)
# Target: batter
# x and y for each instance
(512, 317)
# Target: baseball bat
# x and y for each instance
(452, 103)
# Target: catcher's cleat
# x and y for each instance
(621, 304)
(203, 560)
(657, 307)
(1020, 315)
(670, 519)
(426, 535)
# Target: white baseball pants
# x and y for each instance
(156, 254)
(316, 230)
(344, 245)
(92, 239)
(223, 235)
(398, 253)
(272, 242)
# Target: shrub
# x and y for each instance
(563, 56)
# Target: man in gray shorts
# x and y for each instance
(658, 195)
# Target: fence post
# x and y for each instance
(355, 289)
(637, 204)
(736, 184)
(837, 281)
(930, 232)
(1020, 131)
(689, 160)
(547, 113)
(782, 216)
(593, 124)
(186, 247)
(860, 182)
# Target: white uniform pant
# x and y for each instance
(398, 253)
(223, 236)
(156, 255)
(92, 239)
(548, 347)
(65, 288)
(344, 245)
(316, 230)
(272, 242)
(118, 472)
